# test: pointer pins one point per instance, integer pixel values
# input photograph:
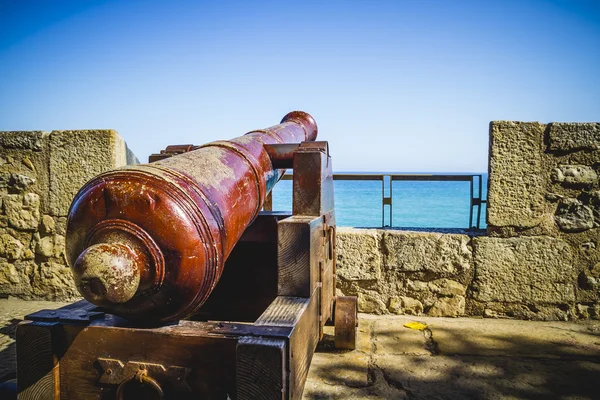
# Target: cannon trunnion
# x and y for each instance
(256, 288)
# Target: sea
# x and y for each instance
(415, 204)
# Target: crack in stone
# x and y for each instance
(430, 344)
(373, 349)
(382, 383)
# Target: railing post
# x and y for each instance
(471, 203)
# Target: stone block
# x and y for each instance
(574, 136)
(10, 247)
(23, 140)
(24, 171)
(22, 211)
(592, 201)
(53, 281)
(572, 216)
(20, 182)
(523, 269)
(47, 224)
(49, 246)
(76, 157)
(371, 303)
(448, 307)
(15, 278)
(516, 183)
(358, 254)
(442, 254)
(45, 246)
(575, 175)
(405, 305)
(447, 287)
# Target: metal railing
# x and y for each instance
(475, 199)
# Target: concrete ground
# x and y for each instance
(461, 358)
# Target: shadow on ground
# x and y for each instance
(564, 365)
(8, 350)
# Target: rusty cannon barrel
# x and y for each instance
(149, 241)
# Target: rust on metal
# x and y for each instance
(149, 241)
(281, 155)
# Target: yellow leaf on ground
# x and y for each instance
(419, 326)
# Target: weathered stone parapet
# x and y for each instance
(543, 178)
(530, 272)
(40, 173)
(516, 194)
(449, 275)
(542, 267)
(405, 272)
(77, 156)
(566, 137)
(359, 254)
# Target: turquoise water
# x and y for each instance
(416, 204)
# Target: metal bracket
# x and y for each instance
(114, 372)
(68, 315)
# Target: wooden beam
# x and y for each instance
(261, 368)
(300, 248)
(302, 315)
(38, 372)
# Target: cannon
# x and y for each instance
(193, 286)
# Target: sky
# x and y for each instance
(395, 86)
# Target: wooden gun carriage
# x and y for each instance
(254, 336)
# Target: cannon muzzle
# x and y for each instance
(150, 241)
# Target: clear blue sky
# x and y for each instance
(394, 85)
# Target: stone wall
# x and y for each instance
(542, 256)
(405, 272)
(540, 259)
(40, 172)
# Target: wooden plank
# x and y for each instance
(328, 277)
(303, 343)
(300, 247)
(313, 183)
(285, 311)
(37, 365)
(268, 204)
(261, 368)
(327, 293)
(302, 314)
(211, 359)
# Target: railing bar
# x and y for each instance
(391, 203)
(480, 201)
(471, 204)
(462, 178)
(373, 177)
(382, 202)
(416, 177)
(349, 177)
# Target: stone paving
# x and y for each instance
(451, 358)
(460, 358)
